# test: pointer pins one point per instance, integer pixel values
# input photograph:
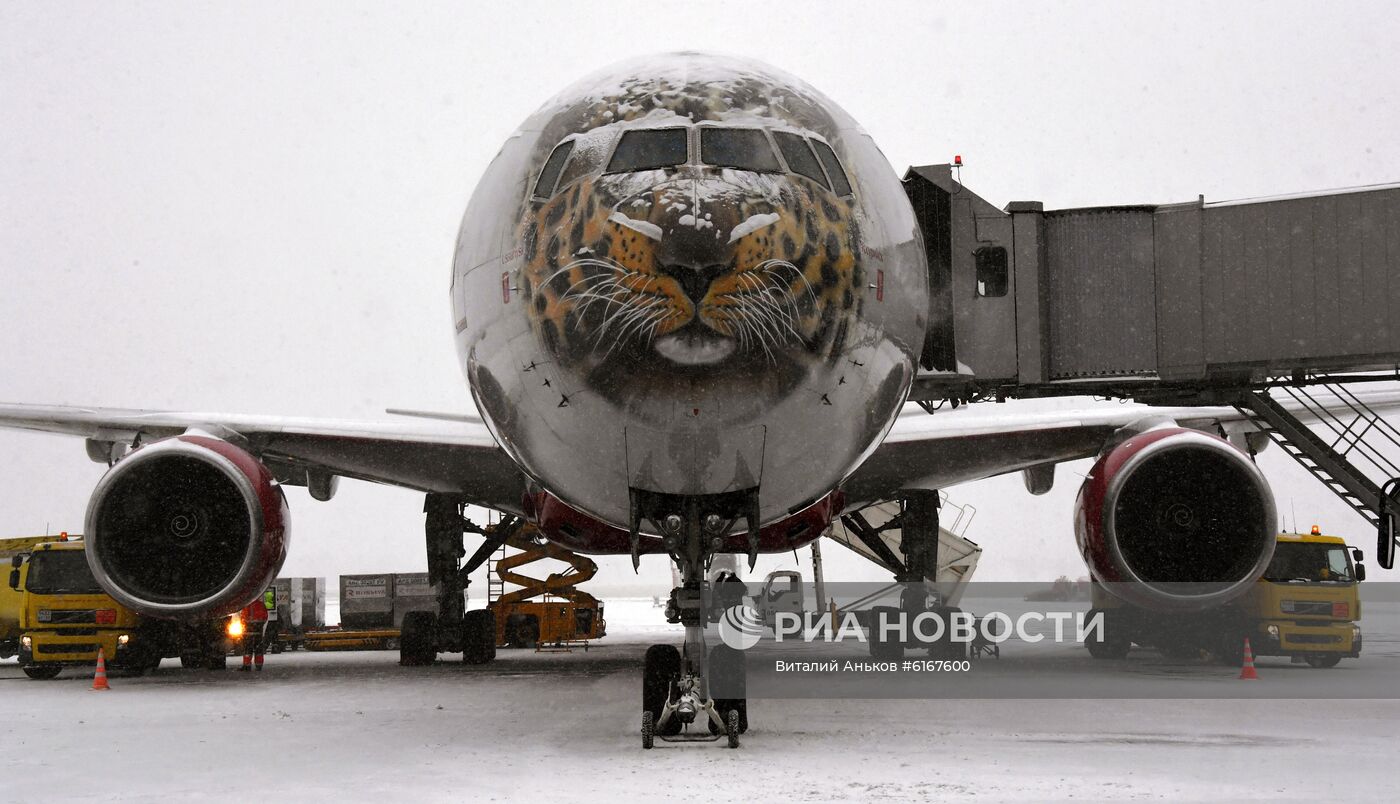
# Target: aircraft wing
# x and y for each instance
(977, 441)
(438, 453)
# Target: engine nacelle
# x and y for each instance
(1175, 519)
(186, 527)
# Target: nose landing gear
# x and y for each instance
(677, 702)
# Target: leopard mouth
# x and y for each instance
(693, 346)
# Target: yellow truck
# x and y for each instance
(63, 617)
(12, 600)
(1306, 606)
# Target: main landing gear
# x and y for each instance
(453, 629)
(694, 694)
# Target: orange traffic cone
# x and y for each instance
(99, 679)
(1247, 672)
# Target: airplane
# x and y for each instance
(689, 297)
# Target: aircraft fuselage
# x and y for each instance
(690, 277)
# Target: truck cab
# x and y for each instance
(65, 617)
(1307, 604)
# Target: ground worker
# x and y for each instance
(274, 626)
(254, 624)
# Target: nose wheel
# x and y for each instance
(676, 707)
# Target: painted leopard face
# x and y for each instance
(700, 271)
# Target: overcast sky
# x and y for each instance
(252, 208)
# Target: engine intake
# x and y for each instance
(1175, 519)
(186, 527)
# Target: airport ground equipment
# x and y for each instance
(549, 613)
(781, 592)
(1306, 606)
(66, 619)
(876, 533)
(1248, 303)
(12, 598)
(301, 608)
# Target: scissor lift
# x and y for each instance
(550, 613)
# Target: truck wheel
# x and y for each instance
(216, 661)
(1321, 660)
(1113, 645)
(418, 639)
(479, 636)
(42, 672)
(880, 649)
(1230, 651)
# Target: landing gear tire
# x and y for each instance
(659, 671)
(1322, 660)
(42, 672)
(731, 727)
(1113, 645)
(882, 650)
(729, 683)
(648, 730)
(479, 636)
(418, 639)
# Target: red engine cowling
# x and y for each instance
(1175, 519)
(186, 527)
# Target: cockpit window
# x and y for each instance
(839, 183)
(544, 187)
(649, 149)
(740, 148)
(799, 157)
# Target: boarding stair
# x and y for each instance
(1347, 447)
(873, 532)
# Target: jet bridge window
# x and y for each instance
(800, 158)
(739, 148)
(649, 149)
(544, 187)
(839, 183)
(992, 280)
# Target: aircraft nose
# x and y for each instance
(694, 280)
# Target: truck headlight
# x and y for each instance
(26, 642)
(1272, 631)
(235, 626)
(123, 639)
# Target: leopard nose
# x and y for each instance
(694, 280)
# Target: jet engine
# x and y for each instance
(1175, 519)
(186, 527)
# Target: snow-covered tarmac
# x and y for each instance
(563, 727)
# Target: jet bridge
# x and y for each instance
(1245, 303)
(1027, 301)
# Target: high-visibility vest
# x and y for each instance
(256, 612)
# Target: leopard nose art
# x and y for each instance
(694, 280)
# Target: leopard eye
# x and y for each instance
(644, 228)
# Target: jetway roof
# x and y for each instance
(1194, 293)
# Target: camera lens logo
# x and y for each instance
(740, 627)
